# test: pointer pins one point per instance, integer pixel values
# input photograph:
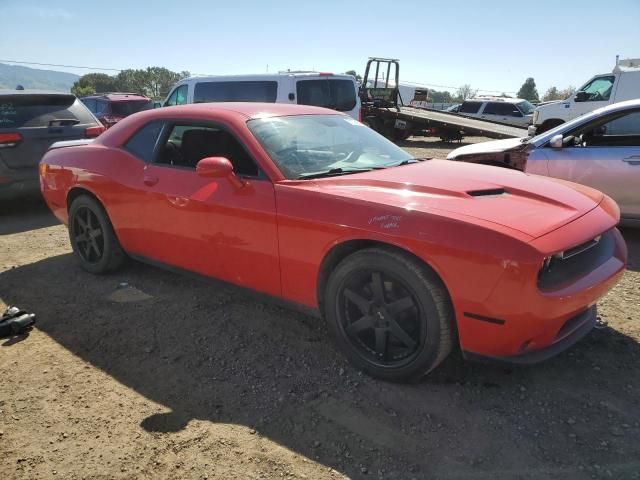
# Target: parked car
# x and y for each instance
(30, 121)
(600, 149)
(513, 111)
(404, 258)
(110, 108)
(338, 92)
(623, 83)
(455, 108)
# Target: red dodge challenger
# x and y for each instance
(404, 258)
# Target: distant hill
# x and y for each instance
(12, 75)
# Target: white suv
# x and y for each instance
(338, 92)
(513, 111)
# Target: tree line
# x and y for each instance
(153, 82)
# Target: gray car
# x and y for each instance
(600, 149)
(30, 121)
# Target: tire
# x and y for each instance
(368, 313)
(92, 237)
(548, 125)
(400, 135)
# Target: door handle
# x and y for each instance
(633, 160)
(150, 180)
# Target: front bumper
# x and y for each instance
(573, 331)
(521, 323)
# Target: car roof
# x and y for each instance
(264, 76)
(496, 99)
(118, 96)
(248, 109)
(33, 92)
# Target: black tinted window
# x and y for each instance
(336, 94)
(90, 103)
(470, 107)
(250, 91)
(35, 110)
(143, 142)
(502, 108)
(128, 108)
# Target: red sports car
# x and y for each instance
(404, 258)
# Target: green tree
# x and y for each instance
(528, 90)
(353, 72)
(94, 83)
(465, 91)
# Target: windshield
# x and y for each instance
(303, 145)
(526, 108)
(128, 108)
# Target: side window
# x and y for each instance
(243, 91)
(90, 103)
(502, 108)
(181, 94)
(616, 131)
(599, 89)
(142, 144)
(186, 145)
(178, 96)
(101, 107)
(470, 107)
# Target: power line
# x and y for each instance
(64, 66)
(419, 84)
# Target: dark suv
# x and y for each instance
(30, 121)
(110, 108)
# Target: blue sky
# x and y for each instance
(493, 46)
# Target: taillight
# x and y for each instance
(325, 74)
(360, 115)
(92, 132)
(9, 139)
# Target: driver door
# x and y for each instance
(212, 226)
(605, 157)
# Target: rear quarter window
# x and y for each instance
(470, 107)
(143, 143)
(245, 91)
(39, 110)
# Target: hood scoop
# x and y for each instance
(489, 192)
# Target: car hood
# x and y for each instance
(517, 201)
(493, 146)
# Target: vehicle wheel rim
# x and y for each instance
(87, 235)
(381, 318)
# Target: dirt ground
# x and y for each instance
(149, 374)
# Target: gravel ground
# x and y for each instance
(174, 377)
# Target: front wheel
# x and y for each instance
(92, 237)
(390, 314)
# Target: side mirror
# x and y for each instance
(214, 167)
(218, 167)
(581, 96)
(556, 141)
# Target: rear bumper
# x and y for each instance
(576, 328)
(16, 186)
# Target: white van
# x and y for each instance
(338, 92)
(623, 83)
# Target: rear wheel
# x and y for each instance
(92, 237)
(389, 314)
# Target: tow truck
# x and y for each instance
(384, 111)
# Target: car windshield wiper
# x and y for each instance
(408, 161)
(335, 172)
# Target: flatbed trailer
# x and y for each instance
(383, 111)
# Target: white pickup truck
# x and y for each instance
(623, 83)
